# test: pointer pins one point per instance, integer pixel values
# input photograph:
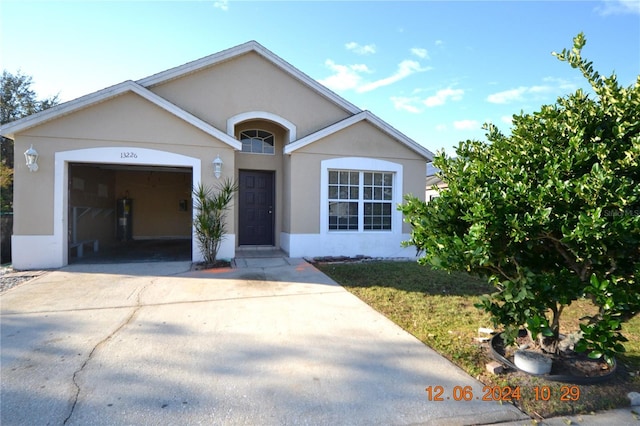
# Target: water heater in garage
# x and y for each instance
(124, 215)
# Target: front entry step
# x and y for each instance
(244, 252)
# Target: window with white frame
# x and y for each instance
(360, 200)
(257, 142)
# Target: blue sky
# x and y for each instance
(434, 70)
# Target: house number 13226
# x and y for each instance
(128, 155)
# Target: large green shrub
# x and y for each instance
(550, 213)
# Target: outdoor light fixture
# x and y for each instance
(31, 155)
(217, 167)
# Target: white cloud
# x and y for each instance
(524, 93)
(508, 119)
(441, 127)
(439, 43)
(539, 89)
(420, 53)
(560, 83)
(221, 4)
(551, 86)
(350, 77)
(441, 97)
(622, 7)
(405, 69)
(466, 125)
(405, 104)
(345, 77)
(507, 96)
(367, 49)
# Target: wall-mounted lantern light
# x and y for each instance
(217, 167)
(31, 155)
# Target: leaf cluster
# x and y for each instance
(547, 211)
(210, 222)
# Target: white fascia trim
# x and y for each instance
(323, 133)
(184, 115)
(249, 46)
(304, 78)
(395, 133)
(360, 164)
(198, 64)
(9, 130)
(111, 155)
(364, 115)
(111, 92)
(261, 115)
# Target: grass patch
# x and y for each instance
(438, 309)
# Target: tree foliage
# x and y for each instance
(549, 214)
(17, 100)
(210, 222)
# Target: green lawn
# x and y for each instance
(438, 309)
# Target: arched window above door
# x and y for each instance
(257, 142)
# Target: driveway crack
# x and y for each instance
(100, 344)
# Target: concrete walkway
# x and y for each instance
(272, 341)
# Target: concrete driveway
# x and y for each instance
(273, 341)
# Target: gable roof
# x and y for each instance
(250, 46)
(10, 129)
(350, 121)
(141, 86)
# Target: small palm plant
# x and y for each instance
(210, 224)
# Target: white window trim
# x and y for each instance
(257, 115)
(365, 165)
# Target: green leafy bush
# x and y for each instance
(549, 213)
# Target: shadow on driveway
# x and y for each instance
(253, 345)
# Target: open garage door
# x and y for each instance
(128, 213)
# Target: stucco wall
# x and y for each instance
(156, 199)
(250, 83)
(124, 130)
(127, 121)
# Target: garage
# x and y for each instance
(120, 213)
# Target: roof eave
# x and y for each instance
(250, 46)
(61, 110)
(364, 115)
(10, 129)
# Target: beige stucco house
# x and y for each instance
(317, 175)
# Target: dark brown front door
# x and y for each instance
(256, 208)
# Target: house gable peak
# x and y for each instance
(242, 49)
(362, 116)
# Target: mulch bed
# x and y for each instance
(565, 366)
(215, 265)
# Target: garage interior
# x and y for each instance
(123, 214)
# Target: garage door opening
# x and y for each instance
(125, 213)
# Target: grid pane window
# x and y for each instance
(343, 185)
(377, 216)
(378, 186)
(360, 201)
(343, 216)
(257, 142)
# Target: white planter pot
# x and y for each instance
(532, 362)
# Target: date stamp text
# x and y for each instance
(501, 393)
